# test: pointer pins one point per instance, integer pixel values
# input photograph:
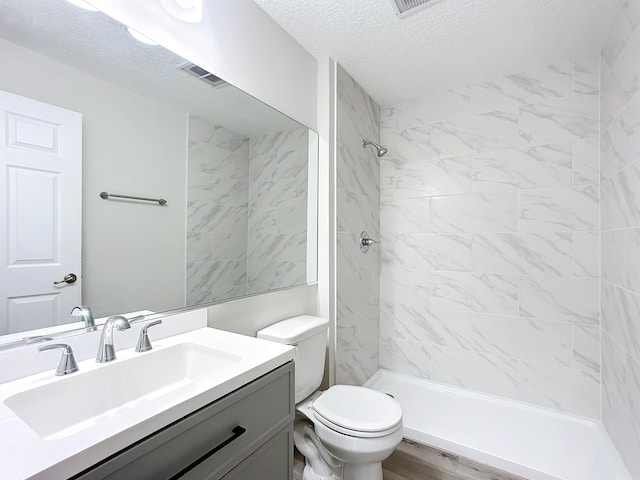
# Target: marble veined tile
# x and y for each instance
(229, 246)
(586, 73)
(536, 84)
(408, 287)
(560, 120)
(205, 158)
(586, 254)
(434, 326)
(355, 212)
(475, 292)
(544, 166)
(586, 161)
(613, 250)
(405, 356)
(263, 220)
(476, 134)
(199, 246)
(488, 373)
(355, 171)
(434, 251)
(561, 208)
(387, 187)
(624, 135)
(586, 347)
(230, 140)
(566, 299)
(475, 212)
(277, 192)
(523, 338)
(624, 25)
(210, 275)
(204, 216)
(633, 259)
(620, 311)
(229, 191)
(567, 389)
(409, 145)
(623, 80)
(523, 253)
(620, 400)
(358, 116)
(427, 110)
(405, 216)
(611, 153)
(292, 217)
(444, 176)
(280, 142)
(620, 202)
(277, 247)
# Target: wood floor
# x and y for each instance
(414, 461)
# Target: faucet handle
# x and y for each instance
(143, 340)
(67, 362)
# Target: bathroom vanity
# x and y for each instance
(202, 404)
(246, 434)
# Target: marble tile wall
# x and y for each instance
(358, 209)
(217, 212)
(277, 232)
(620, 216)
(490, 230)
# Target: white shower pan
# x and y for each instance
(534, 442)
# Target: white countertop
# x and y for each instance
(24, 454)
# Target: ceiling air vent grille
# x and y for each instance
(202, 74)
(407, 7)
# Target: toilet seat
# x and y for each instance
(358, 411)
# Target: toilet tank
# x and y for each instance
(308, 334)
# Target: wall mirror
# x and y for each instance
(87, 109)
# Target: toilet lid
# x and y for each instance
(358, 409)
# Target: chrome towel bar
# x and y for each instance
(160, 201)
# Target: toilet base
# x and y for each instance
(366, 471)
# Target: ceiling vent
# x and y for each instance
(201, 74)
(407, 7)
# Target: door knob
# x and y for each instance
(68, 278)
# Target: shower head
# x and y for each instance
(381, 151)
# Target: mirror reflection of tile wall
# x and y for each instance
(246, 211)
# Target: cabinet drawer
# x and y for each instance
(273, 461)
(220, 434)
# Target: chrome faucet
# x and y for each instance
(86, 315)
(106, 351)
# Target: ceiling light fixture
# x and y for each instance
(84, 5)
(186, 10)
(141, 38)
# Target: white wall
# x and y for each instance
(238, 42)
(131, 145)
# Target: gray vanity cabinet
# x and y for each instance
(248, 434)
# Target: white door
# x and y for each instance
(40, 213)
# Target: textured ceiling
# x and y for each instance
(96, 44)
(448, 44)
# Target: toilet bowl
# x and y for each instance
(359, 427)
(346, 431)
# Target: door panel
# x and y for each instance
(41, 213)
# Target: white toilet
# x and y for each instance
(346, 431)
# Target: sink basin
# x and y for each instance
(86, 398)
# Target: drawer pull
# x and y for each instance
(237, 433)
